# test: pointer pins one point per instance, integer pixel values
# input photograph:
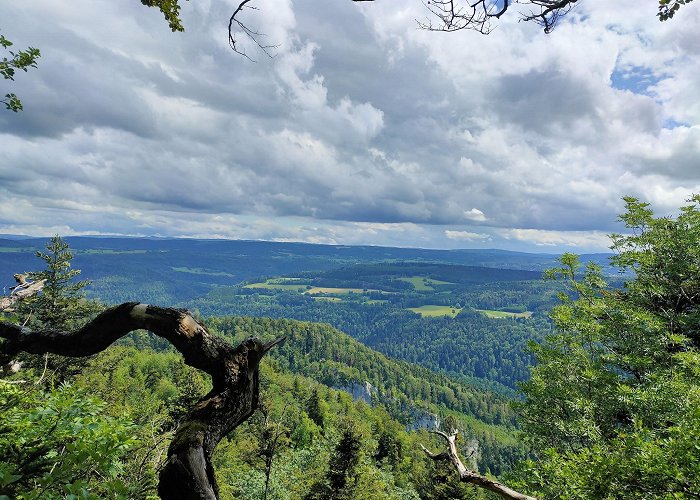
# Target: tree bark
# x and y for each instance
(21, 291)
(469, 476)
(188, 473)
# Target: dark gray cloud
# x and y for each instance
(361, 129)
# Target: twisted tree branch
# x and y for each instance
(23, 290)
(469, 476)
(188, 473)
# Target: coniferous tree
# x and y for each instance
(60, 306)
(314, 408)
(344, 459)
(341, 475)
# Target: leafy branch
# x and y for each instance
(17, 61)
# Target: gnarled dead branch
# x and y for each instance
(22, 290)
(469, 476)
(188, 473)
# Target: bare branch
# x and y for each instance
(255, 36)
(469, 476)
(478, 15)
(188, 473)
(550, 12)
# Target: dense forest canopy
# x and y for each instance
(610, 409)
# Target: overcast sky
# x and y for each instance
(362, 129)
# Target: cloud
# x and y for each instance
(539, 237)
(466, 235)
(360, 129)
(475, 214)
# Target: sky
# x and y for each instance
(361, 129)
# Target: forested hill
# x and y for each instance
(337, 360)
(167, 271)
(490, 352)
(414, 396)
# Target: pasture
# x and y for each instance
(422, 284)
(433, 311)
(504, 314)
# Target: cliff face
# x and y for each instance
(423, 419)
(364, 391)
(359, 390)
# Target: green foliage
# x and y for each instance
(343, 462)
(409, 392)
(361, 453)
(61, 305)
(60, 444)
(21, 60)
(170, 10)
(611, 408)
(668, 8)
(314, 408)
(639, 462)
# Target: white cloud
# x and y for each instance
(466, 236)
(475, 214)
(361, 128)
(539, 237)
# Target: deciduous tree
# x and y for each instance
(613, 401)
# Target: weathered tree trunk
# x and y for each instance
(471, 477)
(188, 472)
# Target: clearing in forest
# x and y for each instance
(340, 291)
(505, 314)
(435, 311)
(280, 284)
(422, 284)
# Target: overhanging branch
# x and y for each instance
(188, 473)
(478, 15)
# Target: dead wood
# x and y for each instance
(188, 473)
(469, 476)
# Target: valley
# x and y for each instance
(425, 335)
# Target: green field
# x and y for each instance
(505, 314)
(296, 285)
(340, 291)
(329, 299)
(278, 284)
(432, 311)
(422, 284)
(16, 250)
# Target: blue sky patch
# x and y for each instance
(636, 79)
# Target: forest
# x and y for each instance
(263, 290)
(609, 410)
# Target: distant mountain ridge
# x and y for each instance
(167, 271)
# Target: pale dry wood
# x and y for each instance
(23, 290)
(469, 476)
(188, 473)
